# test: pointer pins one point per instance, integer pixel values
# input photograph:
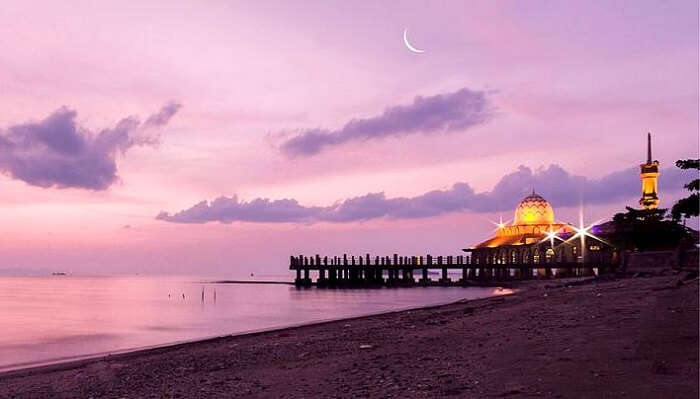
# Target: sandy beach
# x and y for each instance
(633, 337)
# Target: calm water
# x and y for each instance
(45, 319)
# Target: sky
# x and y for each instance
(219, 138)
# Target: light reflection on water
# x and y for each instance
(57, 317)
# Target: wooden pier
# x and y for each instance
(401, 271)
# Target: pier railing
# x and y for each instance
(399, 270)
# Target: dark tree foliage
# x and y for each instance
(690, 205)
(688, 163)
(646, 229)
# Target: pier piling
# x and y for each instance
(396, 270)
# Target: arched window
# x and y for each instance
(536, 256)
(513, 257)
(549, 254)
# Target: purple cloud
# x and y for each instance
(443, 112)
(230, 209)
(554, 183)
(56, 152)
(162, 117)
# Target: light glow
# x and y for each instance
(500, 224)
(552, 234)
(583, 231)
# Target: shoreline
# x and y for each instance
(630, 337)
(71, 362)
(249, 282)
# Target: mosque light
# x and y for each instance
(551, 235)
(584, 231)
(500, 224)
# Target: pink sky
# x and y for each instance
(576, 84)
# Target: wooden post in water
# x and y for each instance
(322, 271)
(307, 280)
(404, 270)
(390, 270)
(425, 280)
(445, 280)
(345, 275)
(332, 272)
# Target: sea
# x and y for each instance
(48, 319)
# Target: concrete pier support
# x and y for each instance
(379, 275)
(445, 279)
(505, 274)
(548, 271)
(304, 281)
(465, 276)
(322, 277)
(425, 280)
(298, 280)
(392, 277)
(471, 274)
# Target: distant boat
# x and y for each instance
(58, 274)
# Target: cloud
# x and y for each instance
(162, 117)
(443, 112)
(57, 152)
(558, 186)
(227, 210)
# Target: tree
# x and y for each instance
(690, 205)
(646, 229)
(640, 215)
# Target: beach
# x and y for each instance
(628, 337)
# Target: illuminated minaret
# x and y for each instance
(649, 175)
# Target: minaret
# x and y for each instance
(649, 175)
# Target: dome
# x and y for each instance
(534, 210)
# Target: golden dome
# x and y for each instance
(534, 210)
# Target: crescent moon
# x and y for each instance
(408, 45)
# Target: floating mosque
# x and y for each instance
(535, 244)
(535, 236)
(528, 238)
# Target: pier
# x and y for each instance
(407, 271)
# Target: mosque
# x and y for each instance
(535, 244)
(535, 237)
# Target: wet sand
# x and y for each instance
(633, 337)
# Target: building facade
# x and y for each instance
(535, 238)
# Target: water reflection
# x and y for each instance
(48, 318)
